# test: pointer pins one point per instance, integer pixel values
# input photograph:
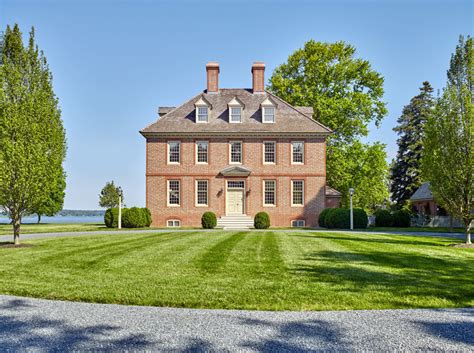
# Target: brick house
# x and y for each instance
(236, 152)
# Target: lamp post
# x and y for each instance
(119, 223)
(351, 192)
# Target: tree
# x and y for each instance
(406, 175)
(448, 159)
(54, 203)
(344, 91)
(32, 137)
(362, 167)
(109, 195)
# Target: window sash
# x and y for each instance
(236, 152)
(174, 192)
(202, 192)
(298, 152)
(203, 114)
(297, 190)
(174, 152)
(269, 152)
(235, 114)
(268, 114)
(269, 198)
(235, 184)
(202, 150)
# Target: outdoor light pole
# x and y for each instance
(351, 192)
(119, 223)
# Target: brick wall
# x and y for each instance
(313, 172)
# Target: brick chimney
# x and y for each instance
(212, 70)
(258, 77)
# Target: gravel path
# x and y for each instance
(36, 324)
(107, 232)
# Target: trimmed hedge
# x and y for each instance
(209, 220)
(134, 217)
(401, 218)
(338, 218)
(323, 215)
(360, 218)
(261, 220)
(383, 218)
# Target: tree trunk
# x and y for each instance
(39, 219)
(467, 232)
(16, 229)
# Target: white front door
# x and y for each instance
(235, 201)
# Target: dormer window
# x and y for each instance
(236, 108)
(268, 111)
(203, 108)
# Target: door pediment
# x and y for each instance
(235, 170)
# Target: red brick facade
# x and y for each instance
(312, 172)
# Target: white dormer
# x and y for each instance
(203, 110)
(268, 107)
(236, 110)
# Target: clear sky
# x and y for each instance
(115, 62)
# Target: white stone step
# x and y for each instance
(243, 222)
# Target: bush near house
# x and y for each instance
(209, 220)
(338, 218)
(383, 218)
(261, 221)
(134, 217)
(111, 217)
(323, 215)
(401, 218)
(361, 220)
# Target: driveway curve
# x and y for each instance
(46, 325)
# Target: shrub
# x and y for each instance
(261, 221)
(338, 218)
(360, 218)
(401, 218)
(383, 218)
(111, 218)
(209, 220)
(148, 216)
(323, 215)
(134, 218)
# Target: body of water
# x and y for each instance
(59, 219)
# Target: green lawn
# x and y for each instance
(28, 228)
(274, 270)
(420, 229)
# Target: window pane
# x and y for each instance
(269, 152)
(298, 191)
(235, 184)
(202, 114)
(270, 192)
(298, 152)
(202, 192)
(236, 152)
(235, 114)
(269, 114)
(202, 148)
(173, 155)
(173, 189)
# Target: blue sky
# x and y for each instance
(115, 62)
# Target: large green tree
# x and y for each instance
(109, 195)
(346, 95)
(54, 203)
(32, 137)
(448, 161)
(406, 175)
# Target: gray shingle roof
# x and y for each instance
(423, 193)
(288, 119)
(331, 192)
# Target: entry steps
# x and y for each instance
(235, 222)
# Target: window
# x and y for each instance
(202, 114)
(202, 148)
(173, 193)
(235, 114)
(298, 223)
(269, 152)
(201, 192)
(235, 184)
(269, 195)
(297, 152)
(297, 192)
(173, 152)
(268, 114)
(236, 152)
(173, 223)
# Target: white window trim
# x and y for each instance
(196, 193)
(292, 162)
(263, 114)
(197, 114)
(275, 151)
(263, 193)
(168, 154)
(241, 114)
(297, 220)
(293, 204)
(241, 152)
(196, 156)
(173, 220)
(168, 204)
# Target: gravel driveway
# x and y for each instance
(35, 324)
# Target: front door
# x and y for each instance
(235, 201)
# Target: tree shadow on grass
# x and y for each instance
(403, 274)
(20, 333)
